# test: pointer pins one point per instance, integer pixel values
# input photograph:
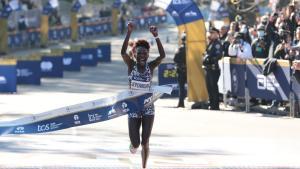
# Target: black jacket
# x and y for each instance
(180, 57)
(214, 53)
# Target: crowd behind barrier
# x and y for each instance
(32, 37)
(245, 79)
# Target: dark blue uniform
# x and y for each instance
(214, 53)
(180, 60)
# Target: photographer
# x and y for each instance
(214, 52)
(283, 49)
(260, 45)
(240, 48)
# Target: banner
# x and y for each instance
(88, 57)
(72, 61)
(126, 102)
(8, 76)
(296, 87)
(224, 82)
(52, 66)
(237, 77)
(275, 86)
(29, 72)
(188, 18)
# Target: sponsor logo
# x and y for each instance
(112, 113)
(156, 19)
(99, 53)
(54, 34)
(133, 115)
(142, 21)
(181, 2)
(267, 82)
(19, 130)
(3, 80)
(46, 66)
(67, 61)
(125, 108)
(48, 127)
(235, 83)
(87, 57)
(94, 117)
(105, 27)
(190, 14)
(148, 100)
(76, 119)
(163, 18)
(81, 29)
(174, 13)
(24, 72)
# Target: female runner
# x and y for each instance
(140, 73)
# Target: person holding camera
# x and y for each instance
(283, 49)
(260, 45)
(240, 48)
(214, 53)
(180, 60)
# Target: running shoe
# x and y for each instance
(132, 149)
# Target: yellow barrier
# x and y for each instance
(8, 61)
(74, 26)
(115, 20)
(44, 30)
(3, 36)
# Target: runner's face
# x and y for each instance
(142, 55)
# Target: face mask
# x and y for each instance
(260, 34)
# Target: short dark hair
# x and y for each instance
(142, 43)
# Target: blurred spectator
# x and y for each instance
(272, 31)
(3, 3)
(253, 33)
(245, 32)
(223, 33)
(22, 23)
(290, 19)
(239, 47)
(234, 27)
(106, 12)
(296, 64)
(260, 46)
(282, 49)
(296, 41)
(229, 39)
(55, 19)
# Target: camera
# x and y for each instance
(283, 35)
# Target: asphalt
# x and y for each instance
(181, 137)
